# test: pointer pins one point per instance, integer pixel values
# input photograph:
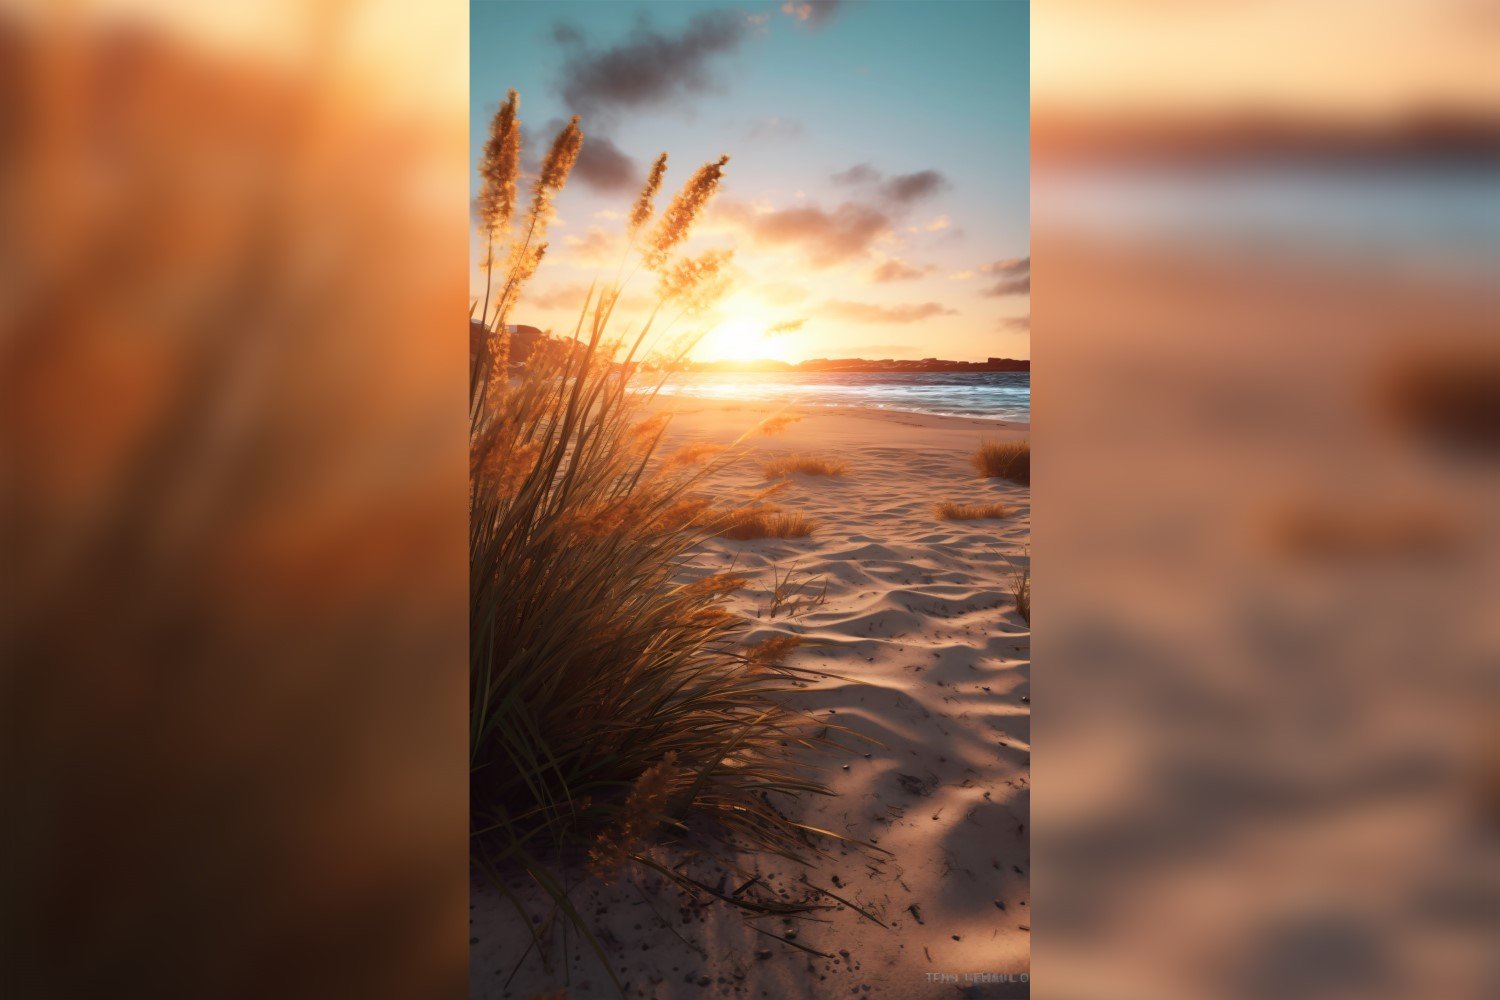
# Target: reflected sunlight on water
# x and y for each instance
(995, 395)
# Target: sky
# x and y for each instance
(876, 199)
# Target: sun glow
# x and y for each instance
(740, 337)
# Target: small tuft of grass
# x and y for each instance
(971, 512)
(1020, 589)
(1005, 460)
(777, 424)
(764, 521)
(772, 652)
(806, 465)
(694, 453)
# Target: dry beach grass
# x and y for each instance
(915, 628)
(1005, 460)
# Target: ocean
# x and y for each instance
(989, 395)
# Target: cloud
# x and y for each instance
(777, 128)
(1010, 267)
(557, 297)
(1014, 276)
(825, 237)
(867, 312)
(648, 68)
(1015, 324)
(605, 167)
(786, 326)
(860, 173)
(904, 189)
(813, 13)
(596, 246)
(1010, 286)
(900, 190)
(895, 270)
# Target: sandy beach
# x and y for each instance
(916, 616)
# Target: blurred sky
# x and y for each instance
(899, 259)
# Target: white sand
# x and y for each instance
(919, 617)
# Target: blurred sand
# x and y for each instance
(919, 618)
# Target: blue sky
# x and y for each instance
(918, 251)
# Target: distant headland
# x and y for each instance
(862, 365)
(524, 339)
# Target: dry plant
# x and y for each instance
(611, 708)
(1005, 460)
(1020, 589)
(806, 465)
(765, 520)
(791, 596)
(776, 424)
(694, 453)
(949, 511)
(771, 653)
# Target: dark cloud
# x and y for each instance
(1010, 286)
(826, 237)
(648, 68)
(895, 270)
(867, 312)
(1014, 275)
(605, 167)
(813, 13)
(907, 188)
(900, 190)
(860, 173)
(601, 164)
(1009, 268)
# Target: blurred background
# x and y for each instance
(232, 425)
(1267, 429)
(232, 406)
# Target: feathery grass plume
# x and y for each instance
(555, 168)
(718, 584)
(644, 809)
(807, 465)
(696, 283)
(1004, 460)
(949, 511)
(645, 205)
(526, 254)
(678, 219)
(499, 166)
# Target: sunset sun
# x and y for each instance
(741, 337)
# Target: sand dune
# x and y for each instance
(918, 622)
